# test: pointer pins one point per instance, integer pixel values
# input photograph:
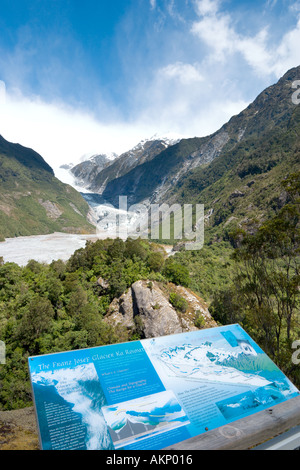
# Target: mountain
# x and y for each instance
(32, 200)
(95, 174)
(147, 180)
(242, 186)
(88, 170)
(235, 172)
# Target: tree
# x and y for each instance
(269, 277)
(36, 320)
(135, 249)
(177, 273)
(78, 300)
(116, 249)
(156, 261)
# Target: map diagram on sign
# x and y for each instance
(138, 419)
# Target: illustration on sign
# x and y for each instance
(138, 419)
(152, 393)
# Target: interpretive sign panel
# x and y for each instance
(152, 393)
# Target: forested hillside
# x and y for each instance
(61, 306)
(32, 200)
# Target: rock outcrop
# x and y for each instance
(146, 309)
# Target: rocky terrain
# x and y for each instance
(87, 171)
(18, 430)
(146, 309)
(96, 172)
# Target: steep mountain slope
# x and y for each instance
(88, 170)
(242, 187)
(166, 177)
(100, 176)
(32, 200)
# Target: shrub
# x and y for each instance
(177, 273)
(199, 321)
(178, 302)
(155, 261)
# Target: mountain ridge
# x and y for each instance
(32, 200)
(95, 177)
(23, 155)
(152, 180)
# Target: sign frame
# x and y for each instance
(153, 393)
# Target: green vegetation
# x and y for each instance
(248, 271)
(60, 307)
(176, 273)
(252, 279)
(199, 320)
(178, 302)
(208, 269)
(263, 293)
(242, 187)
(32, 200)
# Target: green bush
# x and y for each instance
(155, 261)
(177, 273)
(199, 321)
(178, 302)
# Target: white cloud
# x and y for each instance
(62, 134)
(207, 7)
(216, 29)
(256, 53)
(185, 73)
(287, 53)
(295, 7)
(190, 94)
(217, 34)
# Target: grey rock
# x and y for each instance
(145, 308)
(158, 316)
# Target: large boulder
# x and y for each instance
(157, 316)
(145, 309)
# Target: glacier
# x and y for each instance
(208, 363)
(80, 387)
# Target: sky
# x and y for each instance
(79, 78)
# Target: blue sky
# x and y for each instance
(96, 76)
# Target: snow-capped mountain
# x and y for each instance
(94, 172)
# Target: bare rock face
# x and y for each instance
(120, 311)
(157, 316)
(146, 309)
